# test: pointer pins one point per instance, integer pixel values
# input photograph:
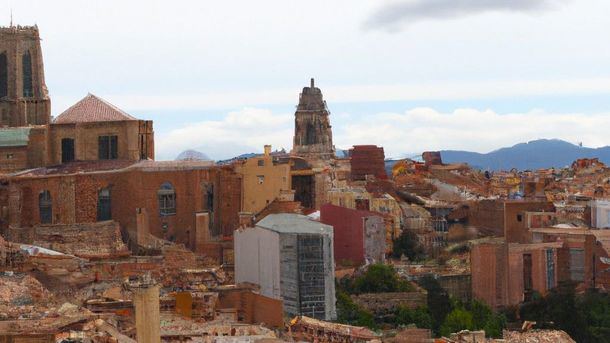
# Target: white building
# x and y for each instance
(291, 257)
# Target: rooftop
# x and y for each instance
(92, 109)
(293, 223)
(83, 167)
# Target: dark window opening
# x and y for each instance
(519, 217)
(67, 150)
(527, 277)
(261, 163)
(310, 134)
(3, 76)
(27, 75)
(167, 199)
(303, 186)
(577, 265)
(362, 204)
(45, 207)
(209, 197)
(103, 205)
(107, 146)
(550, 269)
(143, 152)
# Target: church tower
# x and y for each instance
(313, 137)
(24, 99)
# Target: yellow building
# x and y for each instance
(263, 179)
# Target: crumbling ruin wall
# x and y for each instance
(382, 304)
(75, 199)
(94, 240)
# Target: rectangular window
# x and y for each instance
(261, 179)
(3, 77)
(10, 156)
(67, 150)
(550, 269)
(26, 61)
(577, 265)
(261, 163)
(527, 277)
(167, 204)
(108, 147)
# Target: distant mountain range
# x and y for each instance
(542, 153)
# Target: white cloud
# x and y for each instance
(423, 129)
(394, 13)
(244, 131)
(439, 90)
(415, 130)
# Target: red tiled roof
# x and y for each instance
(92, 109)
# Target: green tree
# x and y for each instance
(381, 278)
(457, 320)
(408, 244)
(350, 313)
(420, 316)
(438, 301)
(559, 309)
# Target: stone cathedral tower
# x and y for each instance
(313, 137)
(24, 98)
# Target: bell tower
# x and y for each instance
(313, 137)
(24, 99)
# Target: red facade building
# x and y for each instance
(358, 235)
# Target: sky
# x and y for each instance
(223, 77)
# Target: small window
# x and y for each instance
(519, 217)
(45, 207)
(26, 61)
(67, 150)
(261, 163)
(261, 179)
(550, 269)
(167, 199)
(108, 147)
(10, 156)
(103, 205)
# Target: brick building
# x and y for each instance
(24, 99)
(504, 218)
(171, 193)
(367, 160)
(359, 236)
(93, 129)
(505, 274)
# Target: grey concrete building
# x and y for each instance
(291, 257)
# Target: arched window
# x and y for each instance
(103, 205)
(3, 75)
(27, 74)
(167, 199)
(45, 207)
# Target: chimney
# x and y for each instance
(202, 230)
(142, 227)
(146, 304)
(312, 83)
(267, 150)
(246, 219)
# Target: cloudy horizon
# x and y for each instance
(408, 75)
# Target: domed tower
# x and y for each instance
(24, 99)
(313, 137)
